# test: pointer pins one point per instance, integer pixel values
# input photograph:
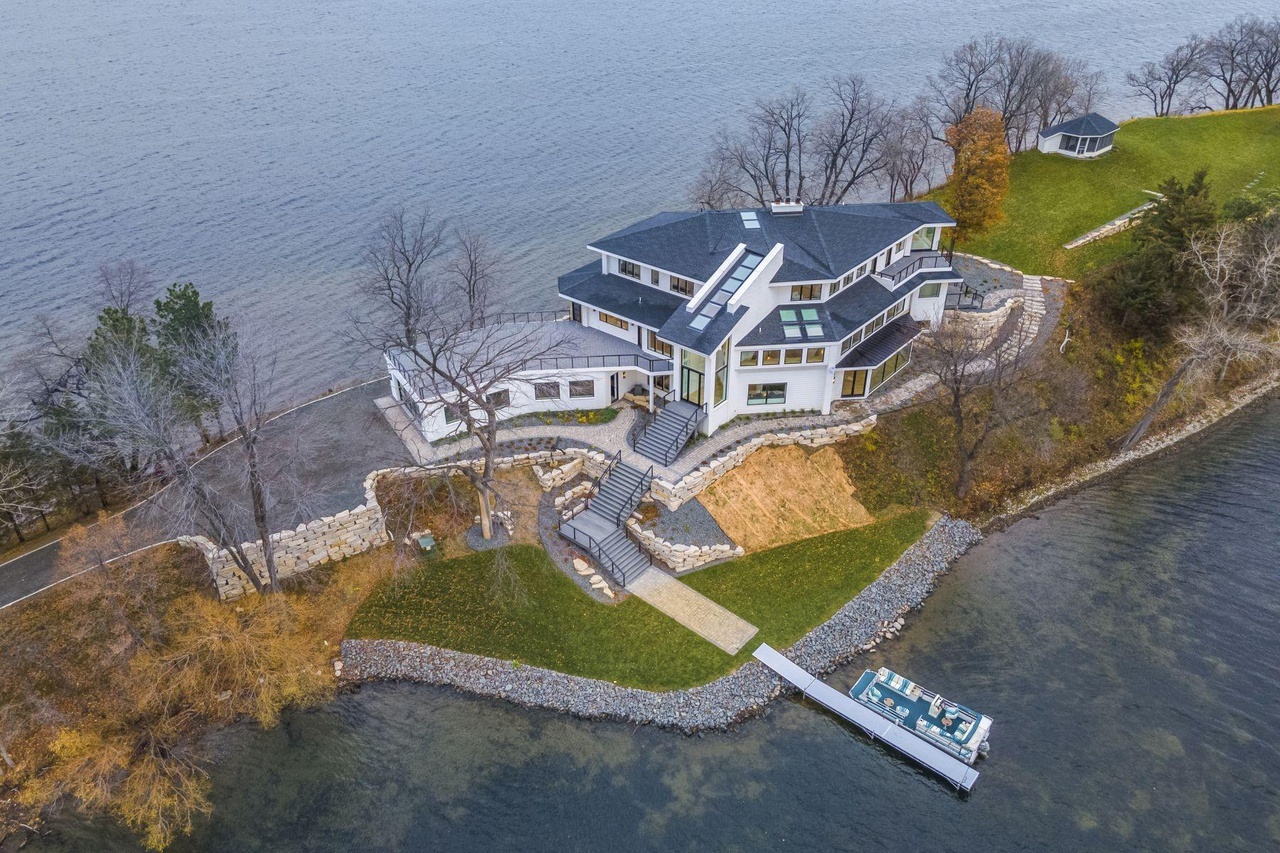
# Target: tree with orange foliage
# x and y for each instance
(980, 175)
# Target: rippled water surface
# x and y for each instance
(1125, 641)
(250, 146)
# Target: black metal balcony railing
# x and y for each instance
(522, 317)
(925, 261)
(581, 362)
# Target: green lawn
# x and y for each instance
(784, 591)
(1053, 199)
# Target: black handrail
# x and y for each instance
(521, 317)
(899, 276)
(695, 418)
(613, 461)
(596, 549)
(653, 365)
(645, 479)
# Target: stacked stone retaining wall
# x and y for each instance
(680, 557)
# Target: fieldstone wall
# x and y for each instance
(679, 557)
(554, 468)
(985, 324)
(672, 495)
(324, 540)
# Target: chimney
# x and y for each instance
(787, 206)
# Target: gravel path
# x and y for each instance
(691, 524)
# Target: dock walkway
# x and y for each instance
(952, 769)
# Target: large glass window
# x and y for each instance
(767, 394)
(660, 346)
(929, 290)
(682, 285)
(793, 356)
(815, 354)
(611, 320)
(546, 390)
(805, 292)
(896, 309)
(575, 311)
(454, 412)
(629, 269)
(720, 387)
(851, 341)
(499, 399)
(854, 383)
(770, 357)
(922, 240)
(582, 388)
(748, 358)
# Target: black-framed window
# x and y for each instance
(500, 399)
(682, 285)
(454, 412)
(629, 268)
(653, 277)
(662, 382)
(767, 394)
(851, 341)
(805, 292)
(854, 383)
(575, 312)
(720, 382)
(610, 320)
(582, 388)
(546, 390)
(660, 346)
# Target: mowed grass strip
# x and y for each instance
(1054, 199)
(785, 592)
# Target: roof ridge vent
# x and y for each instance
(787, 206)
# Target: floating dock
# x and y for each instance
(948, 767)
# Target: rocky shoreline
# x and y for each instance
(874, 614)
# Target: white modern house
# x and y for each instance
(1084, 137)
(709, 315)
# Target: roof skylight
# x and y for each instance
(749, 219)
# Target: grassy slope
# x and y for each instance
(784, 591)
(1054, 199)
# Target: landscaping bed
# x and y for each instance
(542, 619)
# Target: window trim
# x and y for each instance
(625, 268)
(793, 356)
(686, 287)
(749, 358)
(540, 387)
(815, 355)
(611, 320)
(799, 291)
(654, 278)
(765, 355)
(655, 344)
(767, 399)
(573, 395)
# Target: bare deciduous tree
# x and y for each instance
(469, 361)
(125, 285)
(984, 384)
(474, 265)
(819, 151)
(911, 150)
(1238, 268)
(397, 273)
(1162, 83)
(1225, 64)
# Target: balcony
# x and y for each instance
(910, 264)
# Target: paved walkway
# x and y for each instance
(330, 446)
(693, 610)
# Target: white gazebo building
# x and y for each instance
(1089, 135)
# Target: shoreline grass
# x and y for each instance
(1054, 199)
(785, 591)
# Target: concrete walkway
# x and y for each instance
(693, 610)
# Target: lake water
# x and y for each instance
(250, 147)
(1124, 641)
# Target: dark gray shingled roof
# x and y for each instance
(615, 294)
(844, 313)
(818, 243)
(881, 346)
(1089, 124)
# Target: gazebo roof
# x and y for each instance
(1089, 124)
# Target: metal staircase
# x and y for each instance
(600, 528)
(670, 431)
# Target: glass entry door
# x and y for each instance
(692, 370)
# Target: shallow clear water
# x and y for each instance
(251, 146)
(1124, 641)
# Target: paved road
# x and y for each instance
(333, 444)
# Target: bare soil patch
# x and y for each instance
(784, 494)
